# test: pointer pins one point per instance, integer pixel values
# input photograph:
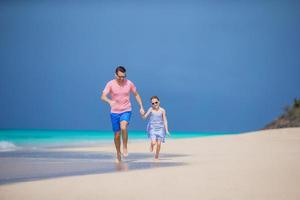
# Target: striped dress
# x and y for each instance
(156, 128)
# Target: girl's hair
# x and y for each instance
(154, 97)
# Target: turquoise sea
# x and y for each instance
(11, 140)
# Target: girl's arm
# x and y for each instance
(147, 113)
(165, 121)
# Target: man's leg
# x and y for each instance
(124, 137)
(115, 120)
(117, 140)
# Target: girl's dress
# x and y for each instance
(155, 127)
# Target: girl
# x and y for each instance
(157, 127)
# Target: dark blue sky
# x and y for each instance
(216, 65)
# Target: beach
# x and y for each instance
(253, 165)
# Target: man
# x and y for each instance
(119, 90)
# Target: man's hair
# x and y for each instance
(121, 69)
(154, 97)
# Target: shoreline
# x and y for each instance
(18, 140)
(254, 165)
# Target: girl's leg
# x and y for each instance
(152, 145)
(158, 144)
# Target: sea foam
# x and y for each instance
(7, 146)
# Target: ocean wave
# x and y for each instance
(7, 146)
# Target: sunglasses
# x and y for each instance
(121, 76)
(154, 103)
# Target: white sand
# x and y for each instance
(259, 165)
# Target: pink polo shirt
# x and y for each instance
(120, 95)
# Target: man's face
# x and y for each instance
(120, 76)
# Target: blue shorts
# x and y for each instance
(116, 118)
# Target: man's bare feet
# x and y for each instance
(118, 159)
(125, 153)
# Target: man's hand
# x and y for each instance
(111, 103)
(142, 111)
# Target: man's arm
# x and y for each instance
(105, 98)
(140, 102)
